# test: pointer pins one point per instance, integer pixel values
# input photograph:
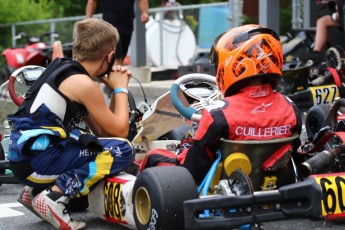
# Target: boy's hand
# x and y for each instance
(118, 77)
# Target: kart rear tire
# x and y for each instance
(158, 197)
(315, 118)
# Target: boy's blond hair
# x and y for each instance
(93, 39)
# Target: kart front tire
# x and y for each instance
(315, 118)
(158, 197)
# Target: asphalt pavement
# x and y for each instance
(14, 216)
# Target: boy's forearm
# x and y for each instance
(90, 8)
(144, 6)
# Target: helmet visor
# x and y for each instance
(213, 57)
(246, 36)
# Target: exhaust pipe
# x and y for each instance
(319, 161)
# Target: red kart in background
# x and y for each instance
(35, 51)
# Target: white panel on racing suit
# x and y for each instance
(55, 102)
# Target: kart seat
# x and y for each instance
(256, 158)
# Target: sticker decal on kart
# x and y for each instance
(333, 193)
(113, 202)
(325, 94)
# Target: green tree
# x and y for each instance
(25, 10)
(21, 10)
(68, 8)
(285, 16)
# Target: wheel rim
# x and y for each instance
(143, 206)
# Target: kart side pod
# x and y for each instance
(111, 200)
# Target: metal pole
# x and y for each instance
(161, 41)
(138, 41)
(237, 12)
(13, 29)
(296, 16)
(52, 31)
(309, 13)
(269, 14)
(231, 15)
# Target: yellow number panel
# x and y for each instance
(112, 202)
(325, 94)
(333, 193)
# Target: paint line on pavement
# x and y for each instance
(7, 211)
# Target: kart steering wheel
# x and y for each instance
(25, 75)
(203, 96)
(335, 55)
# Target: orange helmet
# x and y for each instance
(244, 53)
